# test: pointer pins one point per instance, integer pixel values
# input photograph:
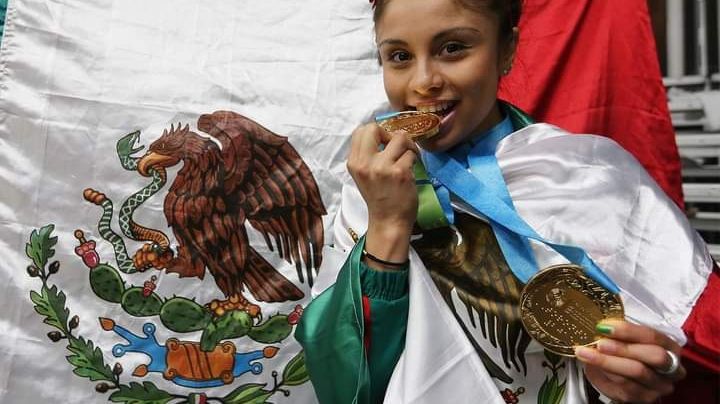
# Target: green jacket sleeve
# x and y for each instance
(332, 329)
(385, 324)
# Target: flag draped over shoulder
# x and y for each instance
(168, 171)
(591, 67)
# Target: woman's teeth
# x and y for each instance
(440, 109)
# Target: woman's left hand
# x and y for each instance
(630, 364)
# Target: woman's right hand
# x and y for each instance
(385, 180)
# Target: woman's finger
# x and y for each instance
(625, 367)
(634, 333)
(624, 389)
(654, 356)
(397, 146)
(370, 137)
(407, 160)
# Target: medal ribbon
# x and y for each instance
(485, 190)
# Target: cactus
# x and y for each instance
(136, 304)
(274, 330)
(184, 315)
(234, 324)
(107, 283)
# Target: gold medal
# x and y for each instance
(415, 125)
(560, 307)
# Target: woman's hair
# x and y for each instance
(507, 12)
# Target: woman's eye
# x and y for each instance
(399, 56)
(453, 48)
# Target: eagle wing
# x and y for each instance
(273, 186)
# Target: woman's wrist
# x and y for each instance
(382, 265)
(386, 246)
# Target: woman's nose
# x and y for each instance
(426, 79)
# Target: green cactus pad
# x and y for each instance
(233, 324)
(107, 283)
(274, 330)
(184, 315)
(138, 305)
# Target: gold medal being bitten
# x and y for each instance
(560, 307)
(415, 125)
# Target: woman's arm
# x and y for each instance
(381, 167)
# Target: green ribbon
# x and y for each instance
(430, 214)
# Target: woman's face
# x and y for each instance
(438, 56)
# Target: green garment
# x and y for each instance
(3, 10)
(331, 332)
(389, 302)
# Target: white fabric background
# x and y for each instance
(76, 75)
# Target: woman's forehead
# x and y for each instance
(415, 19)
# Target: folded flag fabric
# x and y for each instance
(597, 62)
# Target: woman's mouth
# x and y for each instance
(445, 110)
(441, 109)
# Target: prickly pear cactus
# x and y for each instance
(180, 314)
(107, 283)
(234, 324)
(274, 330)
(135, 303)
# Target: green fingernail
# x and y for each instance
(604, 329)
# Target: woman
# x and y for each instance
(464, 339)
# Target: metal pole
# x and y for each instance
(675, 39)
(702, 48)
(717, 8)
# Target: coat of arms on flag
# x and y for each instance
(251, 175)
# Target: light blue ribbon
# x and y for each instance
(485, 190)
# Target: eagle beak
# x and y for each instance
(152, 159)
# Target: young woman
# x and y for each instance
(453, 333)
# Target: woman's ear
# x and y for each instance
(509, 52)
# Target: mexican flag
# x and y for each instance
(168, 171)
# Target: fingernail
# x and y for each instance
(607, 346)
(604, 329)
(585, 354)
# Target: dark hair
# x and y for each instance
(507, 11)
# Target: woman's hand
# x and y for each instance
(629, 364)
(385, 180)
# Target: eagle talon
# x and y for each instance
(235, 302)
(152, 255)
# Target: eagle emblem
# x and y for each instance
(239, 173)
